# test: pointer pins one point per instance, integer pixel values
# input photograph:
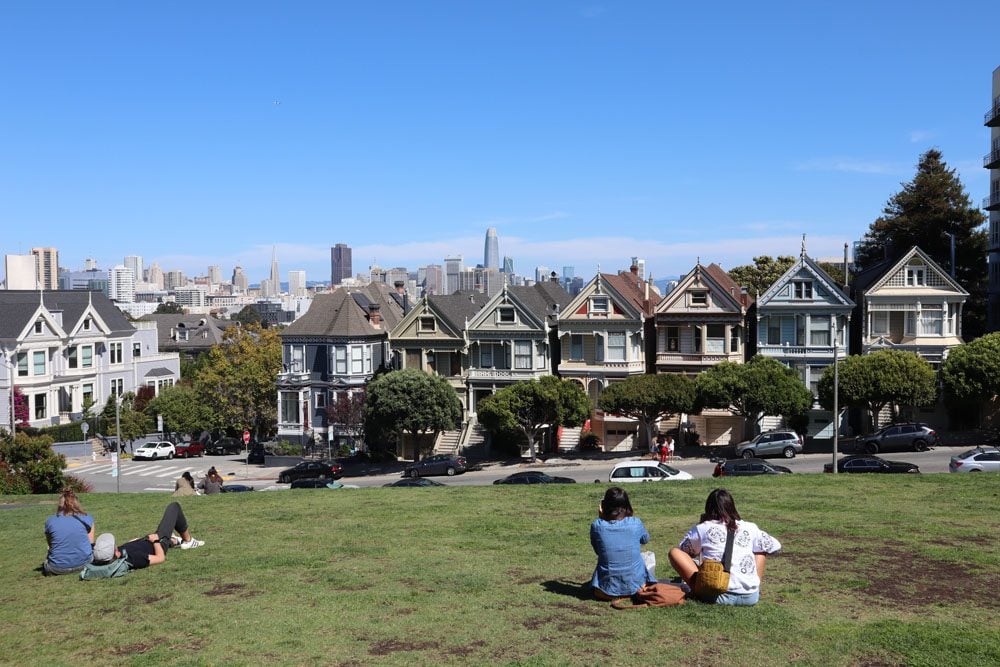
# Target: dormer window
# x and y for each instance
(803, 289)
(599, 305)
(426, 325)
(698, 297)
(915, 276)
(505, 315)
(86, 324)
(39, 327)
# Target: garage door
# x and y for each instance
(722, 430)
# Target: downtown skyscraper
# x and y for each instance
(340, 264)
(491, 250)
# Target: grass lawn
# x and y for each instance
(876, 570)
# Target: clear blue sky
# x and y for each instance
(196, 133)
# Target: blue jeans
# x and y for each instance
(735, 599)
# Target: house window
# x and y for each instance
(576, 347)
(38, 361)
(357, 360)
(774, 331)
(86, 324)
(368, 358)
(803, 289)
(673, 339)
(819, 331)
(340, 360)
(915, 276)
(734, 339)
(289, 407)
(22, 364)
(39, 406)
(715, 339)
(931, 321)
(522, 354)
(86, 356)
(486, 355)
(599, 305)
(598, 347)
(426, 324)
(505, 315)
(88, 395)
(321, 399)
(117, 387)
(697, 340)
(616, 346)
(72, 360)
(296, 358)
(116, 352)
(39, 327)
(880, 323)
(136, 350)
(698, 298)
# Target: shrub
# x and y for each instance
(78, 485)
(589, 441)
(33, 463)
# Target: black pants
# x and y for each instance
(173, 519)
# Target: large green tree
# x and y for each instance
(237, 380)
(930, 208)
(970, 376)
(884, 378)
(412, 402)
(762, 386)
(760, 275)
(182, 409)
(134, 423)
(532, 407)
(650, 398)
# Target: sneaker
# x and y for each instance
(192, 544)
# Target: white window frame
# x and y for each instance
(576, 347)
(522, 355)
(803, 289)
(86, 356)
(916, 276)
(614, 346)
(600, 305)
(426, 324)
(39, 326)
(36, 356)
(486, 355)
(115, 353)
(357, 360)
(506, 315)
(117, 387)
(877, 327)
(698, 298)
(320, 400)
(35, 401)
(73, 357)
(136, 350)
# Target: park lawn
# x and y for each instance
(876, 570)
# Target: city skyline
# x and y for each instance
(584, 134)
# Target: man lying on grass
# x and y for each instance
(151, 549)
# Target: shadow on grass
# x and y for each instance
(569, 589)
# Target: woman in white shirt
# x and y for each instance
(751, 545)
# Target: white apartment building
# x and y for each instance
(121, 284)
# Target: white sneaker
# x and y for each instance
(192, 544)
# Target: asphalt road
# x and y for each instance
(143, 476)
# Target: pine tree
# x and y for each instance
(929, 208)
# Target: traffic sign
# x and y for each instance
(246, 437)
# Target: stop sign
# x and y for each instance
(246, 437)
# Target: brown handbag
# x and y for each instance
(713, 576)
(652, 595)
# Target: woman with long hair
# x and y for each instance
(707, 540)
(616, 536)
(184, 486)
(70, 535)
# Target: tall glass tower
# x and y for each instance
(491, 252)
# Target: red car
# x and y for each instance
(188, 449)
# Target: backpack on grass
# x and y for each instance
(116, 568)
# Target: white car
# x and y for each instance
(980, 459)
(155, 450)
(645, 471)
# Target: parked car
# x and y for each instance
(314, 483)
(155, 450)
(236, 488)
(771, 443)
(899, 437)
(311, 470)
(186, 450)
(980, 459)
(439, 464)
(746, 467)
(534, 477)
(258, 451)
(870, 464)
(645, 471)
(225, 445)
(415, 481)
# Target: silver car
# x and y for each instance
(980, 459)
(771, 443)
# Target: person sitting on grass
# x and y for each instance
(70, 534)
(184, 486)
(708, 539)
(212, 482)
(616, 536)
(151, 549)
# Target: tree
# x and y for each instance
(873, 381)
(248, 316)
(21, 411)
(924, 213)
(531, 407)
(971, 375)
(237, 380)
(28, 464)
(182, 409)
(760, 275)
(762, 386)
(413, 402)
(650, 398)
(347, 412)
(169, 308)
(133, 423)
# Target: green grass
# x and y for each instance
(876, 570)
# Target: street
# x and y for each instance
(143, 476)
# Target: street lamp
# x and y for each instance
(8, 361)
(118, 443)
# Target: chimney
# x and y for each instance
(374, 316)
(399, 287)
(554, 278)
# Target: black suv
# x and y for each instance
(916, 437)
(745, 467)
(225, 445)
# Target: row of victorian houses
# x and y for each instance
(617, 326)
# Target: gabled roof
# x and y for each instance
(19, 307)
(715, 278)
(626, 291)
(196, 325)
(821, 276)
(878, 280)
(458, 308)
(539, 302)
(633, 288)
(344, 313)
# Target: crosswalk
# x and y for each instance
(136, 470)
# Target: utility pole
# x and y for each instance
(836, 392)
(118, 443)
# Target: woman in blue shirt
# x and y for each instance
(616, 536)
(70, 534)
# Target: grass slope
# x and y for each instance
(876, 570)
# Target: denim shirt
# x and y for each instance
(620, 569)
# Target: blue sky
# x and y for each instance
(586, 133)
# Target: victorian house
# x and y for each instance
(334, 349)
(700, 323)
(66, 350)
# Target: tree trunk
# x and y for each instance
(531, 443)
